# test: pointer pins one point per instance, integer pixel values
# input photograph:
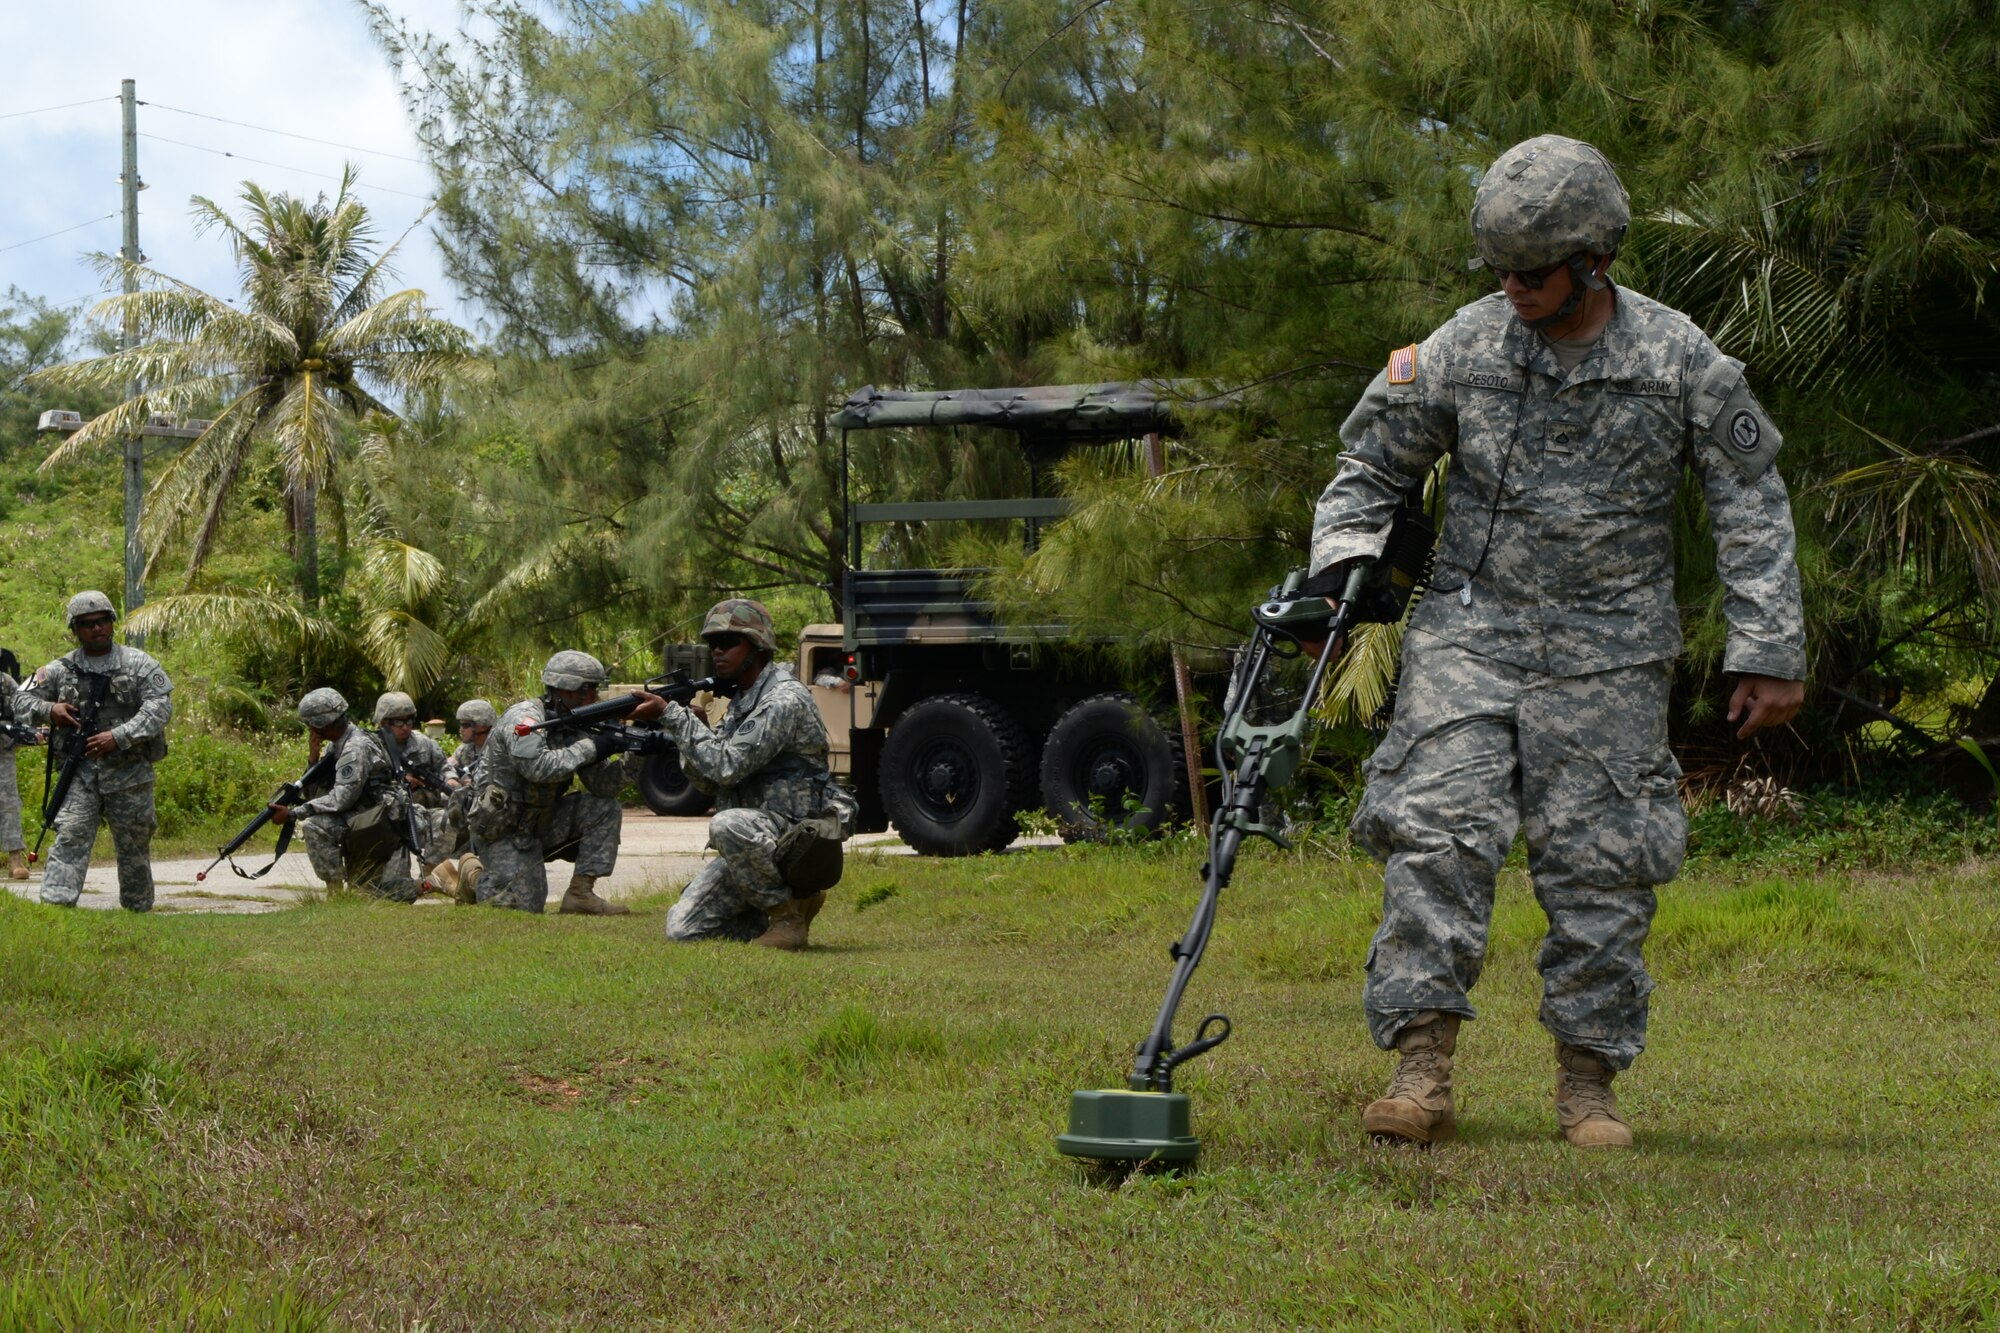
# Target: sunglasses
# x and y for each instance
(722, 643)
(94, 622)
(1531, 278)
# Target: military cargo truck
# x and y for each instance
(947, 722)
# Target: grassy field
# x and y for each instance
(357, 1115)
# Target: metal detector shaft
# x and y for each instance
(1153, 1070)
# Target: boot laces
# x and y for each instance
(1590, 1095)
(1416, 1073)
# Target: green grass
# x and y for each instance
(356, 1115)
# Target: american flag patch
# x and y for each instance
(1403, 365)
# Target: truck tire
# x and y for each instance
(666, 790)
(954, 770)
(1109, 765)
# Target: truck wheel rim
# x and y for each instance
(1109, 770)
(947, 783)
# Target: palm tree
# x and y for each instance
(313, 344)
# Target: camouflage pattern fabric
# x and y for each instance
(1575, 474)
(728, 899)
(423, 758)
(524, 810)
(740, 615)
(116, 788)
(581, 826)
(128, 812)
(1479, 750)
(10, 780)
(466, 764)
(1545, 199)
(767, 765)
(361, 779)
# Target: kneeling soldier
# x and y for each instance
(355, 833)
(779, 818)
(525, 813)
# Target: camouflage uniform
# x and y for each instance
(463, 771)
(1535, 681)
(10, 780)
(362, 778)
(118, 788)
(525, 813)
(767, 764)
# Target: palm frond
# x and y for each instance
(261, 615)
(410, 654)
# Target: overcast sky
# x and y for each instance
(305, 67)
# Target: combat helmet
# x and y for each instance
(1550, 200)
(322, 707)
(477, 713)
(88, 603)
(394, 705)
(740, 615)
(573, 670)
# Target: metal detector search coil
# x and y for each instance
(1147, 1121)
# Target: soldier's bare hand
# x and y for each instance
(101, 744)
(1765, 701)
(281, 814)
(650, 706)
(62, 715)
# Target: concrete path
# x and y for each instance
(658, 852)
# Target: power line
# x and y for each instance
(65, 231)
(88, 101)
(266, 129)
(281, 166)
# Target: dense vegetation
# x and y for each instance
(696, 227)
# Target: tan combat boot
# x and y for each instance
(1417, 1108)
(470, 870)
(790, 920)
(580, 900)
(1585, 1104)
(442, 878)
(17, 863)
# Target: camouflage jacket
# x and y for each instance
(8, 687)
(361, 777)
(1573, 475)
(138, 703)
(424, 759)
(769, 753)
(524, 776)
(466, 764)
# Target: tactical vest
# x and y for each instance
(122, 700)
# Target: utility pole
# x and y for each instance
(135, 444)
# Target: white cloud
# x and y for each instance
(307, 67)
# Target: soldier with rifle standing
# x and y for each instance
(107, 705)
(357, 833)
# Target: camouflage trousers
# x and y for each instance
(581, 827)
(10, 804)
(129, 813)
(326, 843)
(728, 899)
(1478, 751)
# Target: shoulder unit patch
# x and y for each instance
(1403, 365)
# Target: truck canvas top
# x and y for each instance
(1074, 413)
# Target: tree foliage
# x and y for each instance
(709, 222)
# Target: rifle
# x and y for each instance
(411, 838)
(23, 734)
(55, 787)
(674, 687)
(290, 794)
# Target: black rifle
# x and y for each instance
(23, 734)
(411, 839)
(674, 687)
(71, 744)
(290, 794)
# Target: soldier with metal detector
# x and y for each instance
(107, 705)
(358, 832)
(1536, 671)
(779, 818)
(525, 814)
